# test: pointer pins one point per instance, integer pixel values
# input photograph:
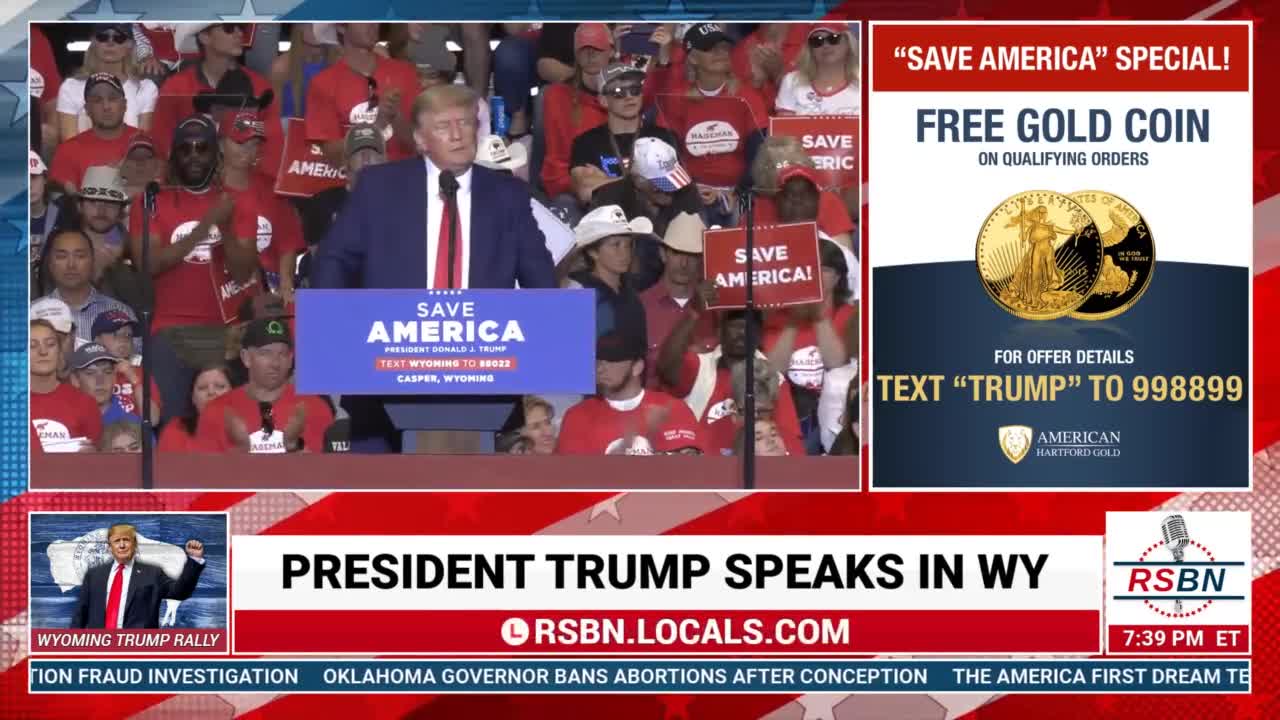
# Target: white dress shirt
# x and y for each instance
(124, 587)
(435, 216)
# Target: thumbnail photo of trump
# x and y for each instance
(128, 571)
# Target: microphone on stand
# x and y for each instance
(1174, 529)
(449, 189)
(746, 199)
(149, 194)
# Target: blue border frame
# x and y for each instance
(14, 133)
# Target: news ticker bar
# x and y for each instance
(637, 676)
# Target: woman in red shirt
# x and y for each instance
(569, 109)
(717, 116)
(180, 434)
(777, 156)
(63, 419)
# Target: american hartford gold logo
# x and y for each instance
(1015, 442)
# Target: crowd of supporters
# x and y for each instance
(633, 139)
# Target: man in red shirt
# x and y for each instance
(189, 221)
(279, 232)
(705, 380)
(265, 415)
(63, 419)
(103, 144)
(362, 87)
(221, 46)
(141, 164)
(665, 302)
(623, 418)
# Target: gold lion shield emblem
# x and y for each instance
(1015, 442)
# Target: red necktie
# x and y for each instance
(442, 252)
(113, 597)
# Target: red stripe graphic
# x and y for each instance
(1050, 58)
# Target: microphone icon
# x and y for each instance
(1174, 529)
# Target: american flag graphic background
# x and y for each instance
(667, 513)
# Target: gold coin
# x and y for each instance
(1129, 255)
(1039, 255)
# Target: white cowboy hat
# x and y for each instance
(607, 221)
(102, 182)
(494, 153)
(184, 36)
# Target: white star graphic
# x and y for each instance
(820, 707)
(248, 13)
(21, 246)
(959, 705)
(311, 498)
(22, 95)
(606, 507)
(104, 10)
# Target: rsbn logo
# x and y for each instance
(1178, 576)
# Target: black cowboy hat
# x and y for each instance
(234, 90)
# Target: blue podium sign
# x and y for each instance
(445, 342)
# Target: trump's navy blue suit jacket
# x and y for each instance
(147, 587)
(379, 240)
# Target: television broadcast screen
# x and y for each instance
(700, 361)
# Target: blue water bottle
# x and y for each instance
(499, 122)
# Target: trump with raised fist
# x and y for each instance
(126, 592)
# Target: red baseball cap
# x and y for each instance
(801, 171)
(676, 436)
(241, 127)
(593, 35)
(141, 140)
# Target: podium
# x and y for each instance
(485, 415)
(445, 360)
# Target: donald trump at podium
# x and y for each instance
(395, 231)
(126, 592)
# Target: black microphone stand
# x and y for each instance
(749, 397)
(148, 446)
